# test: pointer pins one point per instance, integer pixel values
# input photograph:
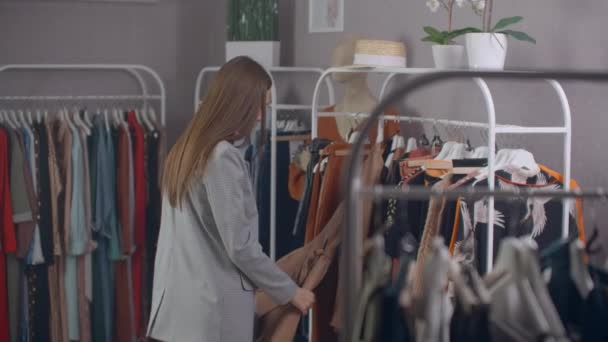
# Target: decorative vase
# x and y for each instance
(267, 53)
(449, 56)
(486, 51)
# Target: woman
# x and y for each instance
(209, 260)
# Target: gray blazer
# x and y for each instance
(209, 259)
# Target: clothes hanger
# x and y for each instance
(436, 138)
(21, 116)
(146, 120)
(87, 119)
(66, 117)
(106, 120)
(79, 123)
(152, 114)
(8, 120)
(117, 117)
(142, 118)
(29, 117)
(13, 115)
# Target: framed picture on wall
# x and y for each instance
(325, 16)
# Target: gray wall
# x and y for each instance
(178, 37)
(568, 35)
(173, 37)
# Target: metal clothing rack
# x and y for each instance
(491, 126)
(352, 237)
(136, 71)
(275, 108)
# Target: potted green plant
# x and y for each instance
(446, 54)
(487, 47)
(252, 29)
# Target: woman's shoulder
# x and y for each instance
(225, 160)
(224, 151)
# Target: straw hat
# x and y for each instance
(380, 53)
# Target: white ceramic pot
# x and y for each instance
(486, 51)
(449, 56)
(267, 53)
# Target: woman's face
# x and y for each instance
(268, 101)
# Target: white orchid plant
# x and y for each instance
(484, 9)
(443, 37)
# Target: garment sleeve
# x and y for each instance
(230, 197)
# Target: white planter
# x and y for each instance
(266, 53)
(486, 51)
(449, 56)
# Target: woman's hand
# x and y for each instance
(303, 300)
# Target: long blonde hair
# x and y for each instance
(228, 112)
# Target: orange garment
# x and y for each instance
(580, 219)
(330, 192)
(297, 178)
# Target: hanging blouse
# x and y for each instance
(539, 218)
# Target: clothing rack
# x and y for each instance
(491, 126)
(135, 71)
(275, 108)
(351, 251)
(151, 90)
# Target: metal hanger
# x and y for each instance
(152, 114)
(21, 116)
(8, 120)
(79, 122)
(436, 138)
(146, 119)
(29, 117)
(87, 119)
(106, 119)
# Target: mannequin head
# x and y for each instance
(344, 55)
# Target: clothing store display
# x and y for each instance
(69, 273)
(219, 223)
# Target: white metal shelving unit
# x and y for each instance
(135, 71)
(491, 126)
(275, 108)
